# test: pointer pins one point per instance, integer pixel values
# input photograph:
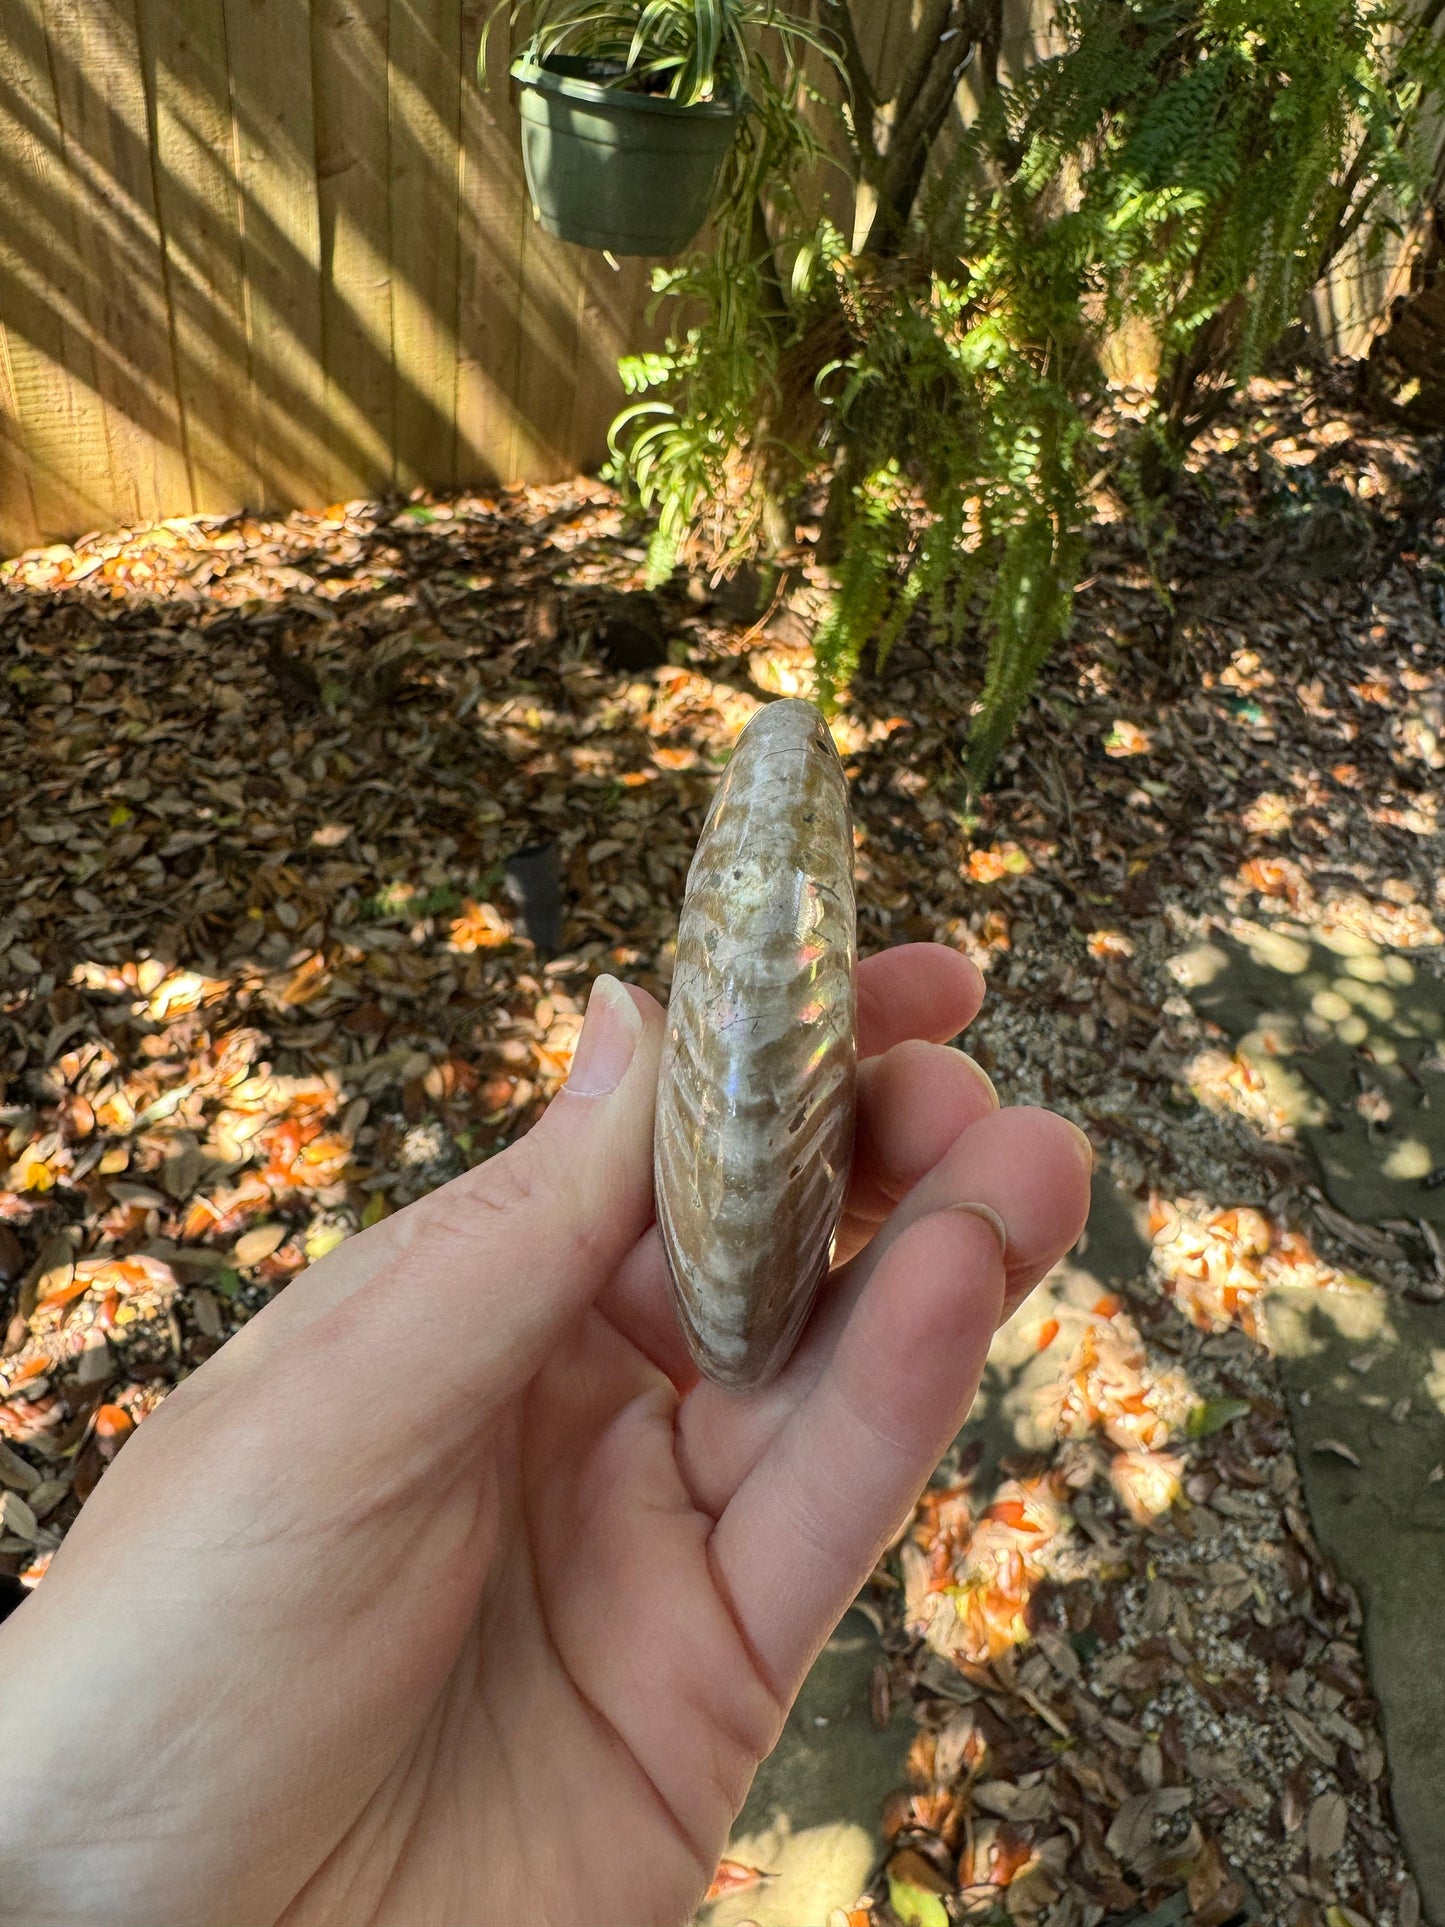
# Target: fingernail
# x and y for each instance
(609, 1038)
(1085, 1146)
(989, 1084)
(991, 1219)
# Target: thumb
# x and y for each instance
(472, 1282)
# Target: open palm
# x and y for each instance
(446, 1593)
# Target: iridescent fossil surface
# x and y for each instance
(756, 1094)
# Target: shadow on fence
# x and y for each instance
(257, 254)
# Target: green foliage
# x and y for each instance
(1211, 1415)
(915, 1906)
(1183, 168)
(683, 50)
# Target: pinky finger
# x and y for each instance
(806, 1526)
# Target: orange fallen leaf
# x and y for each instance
(305, 981)
(479, 927)
(1003, 859)
(1010, 1512)
(31, 1575)
(62, 1294)
(32, 1171)
(1272, 876)
(1127, 739)
(1109, 943)
(733, 1877)
(28, 1369)
(994, 1856)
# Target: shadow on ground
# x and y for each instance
(1365, 1379)
(1363, 1374)
(1347, 1041)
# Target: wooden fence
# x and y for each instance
(268, 253)
(260, 252)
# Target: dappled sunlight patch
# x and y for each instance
(1276, 876)
(40, 1166)
(1217, 1263)
(1406, 925)
(1103, 944)
(1001, 860)
(479, 927)
(183, 1141)
(1270, 814)
(1110, 1387)
(556, 1042)
(983, 945)
(1267, 1097)
(968, 1581)
(1127, 739)
(1147, 1483)
(1394, 919)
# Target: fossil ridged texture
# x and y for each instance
(756, 1095)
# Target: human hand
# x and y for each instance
(445, 1592)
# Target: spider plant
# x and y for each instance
(687, 51)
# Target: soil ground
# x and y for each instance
(271, 968)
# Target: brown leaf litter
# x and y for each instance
(264, 980)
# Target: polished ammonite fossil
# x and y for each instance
(755, 1100)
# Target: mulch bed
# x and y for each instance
(269, 972)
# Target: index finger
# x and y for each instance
(915, 990)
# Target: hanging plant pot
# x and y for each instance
(629, 172)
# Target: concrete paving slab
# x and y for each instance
(811, 1819)
(1348, 1040)
(1364, 1377)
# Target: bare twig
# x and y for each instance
(912, 141)
(936, 21)
(860, 83)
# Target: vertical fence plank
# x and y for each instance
(183, 56)
(349, 61)
(95, 61)
(611, 322)
(58, 427)
(548, 366)
(494, 218)
(425, 100)
(268, 45)
(19, 518)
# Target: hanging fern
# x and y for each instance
(1190, 166)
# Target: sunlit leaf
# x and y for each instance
(914, 1906)
(258, 1243)
(321, 1239)
(1127, 739)
(1213, 1414)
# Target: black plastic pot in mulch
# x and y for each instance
(534, 884)
(627, 172)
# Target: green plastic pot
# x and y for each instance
(630, 173)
